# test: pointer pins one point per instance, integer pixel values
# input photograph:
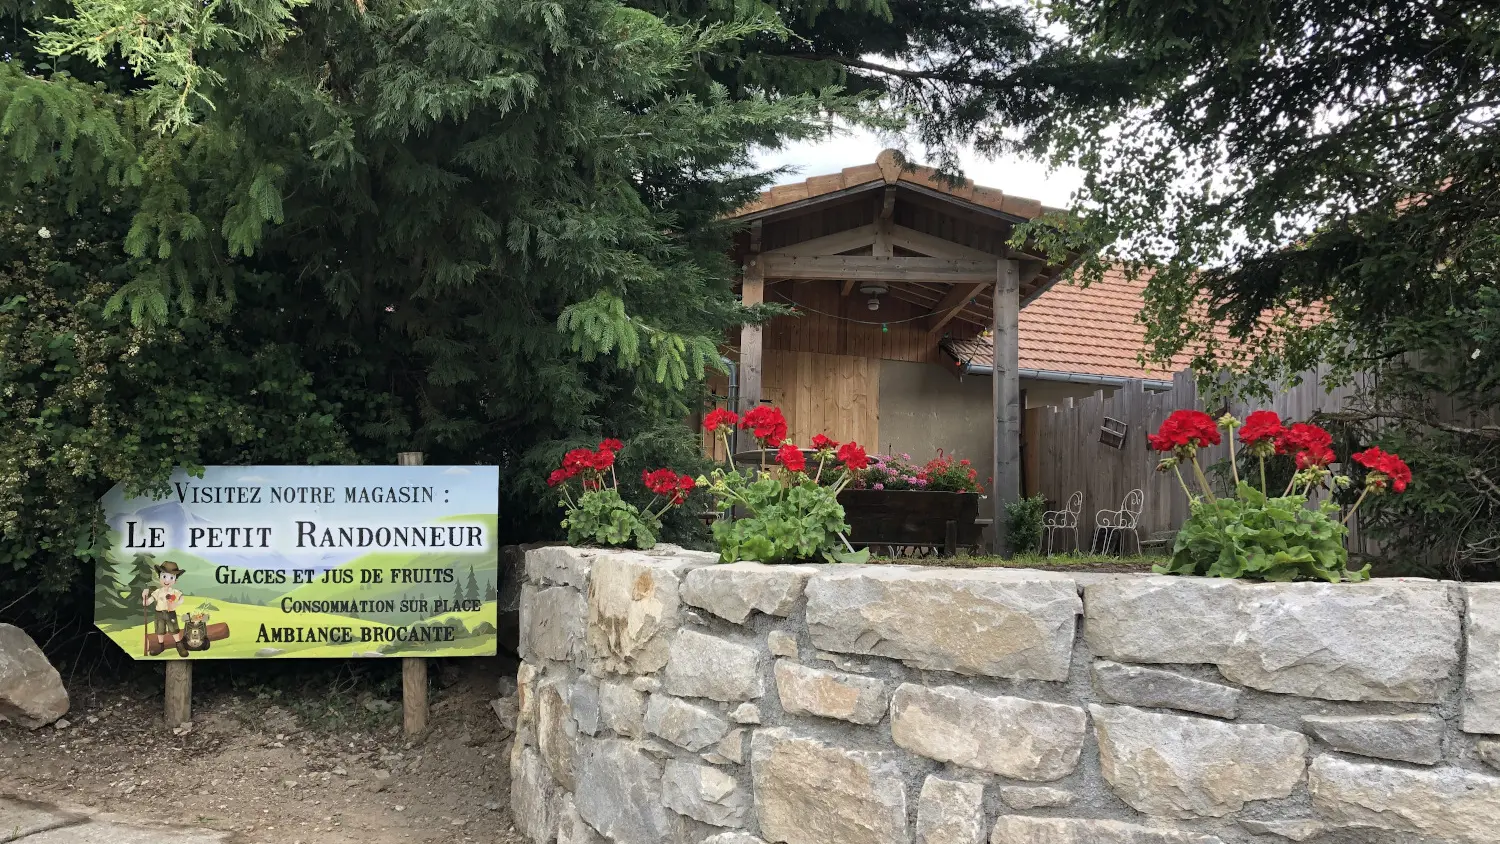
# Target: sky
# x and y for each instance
(1015, 176)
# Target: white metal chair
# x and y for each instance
(1114, 523)
(1065, 519)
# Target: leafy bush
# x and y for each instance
(1251, 534)
(1024, 524)
(790, 514)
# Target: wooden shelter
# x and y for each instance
(934, 255)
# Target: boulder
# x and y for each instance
(701, 665)
(1010, 736)
(1481, 693)
(31, 690)
(1134, 685)
(1176, 766)
(620, 795)
(809, 792)
(1412, 737)
(1017, 829)
(732, 591)
(704, 793)
(830, 694)
(1449, 804)
(950, 812)
(996, 622)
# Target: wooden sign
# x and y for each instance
(278, 562)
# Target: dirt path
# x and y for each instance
(248, 765)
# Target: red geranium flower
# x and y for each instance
(720, 418)
(557, 477)
(1384, 467)
(767, 423)
(1185, 428)
(821, 442)
(611, 445)
(791, 457)
(1261, 426)
(1304, 437)
(1320, 456)
(577, 460)
(686, 482)
(853, 456)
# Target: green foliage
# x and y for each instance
(602, 517)
(1318, 158)
(1250, 535)
(788, 519)
(1024, 524)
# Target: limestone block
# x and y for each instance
(1288, 638)
(1489, 752)
(1024, 797)
(830, 694)
(621, 708)
(583, 699)
(1180, 767)
(1134, 685)
(570, 827)
(1299, 829)
(729, 751)
(731, 591)
(1016, 829)
(556, 731)
(701, 665)
(1481, 694)
(633, 611)
(683, 724)
(732, 838)
(560, 565)
(1449, 804)
(704, 793)
(533, 797)
(998, 623)
(526, 677)
(620, 795)
(950, 812)
(745, 713)
(31, 690)
(552, 623)
(782, 643)
(1393, 640)
(1010, 736)
(1161, 619)
(808, 792)
(1412, 737)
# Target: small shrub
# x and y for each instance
(1024, 524)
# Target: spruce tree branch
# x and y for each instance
(909, 74)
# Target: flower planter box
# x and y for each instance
(946, 520)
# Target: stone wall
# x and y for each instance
(664, 698)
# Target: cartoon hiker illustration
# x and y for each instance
(166, 599)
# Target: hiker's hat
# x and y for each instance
(171, 568)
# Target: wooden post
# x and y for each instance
(753, 292)
(1007, 399)
(413, 668)
(179, 695)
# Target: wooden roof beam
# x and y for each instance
(830, 244)
(873, 268)
(935, 246)
(957, 298)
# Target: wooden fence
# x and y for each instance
(1065, 450)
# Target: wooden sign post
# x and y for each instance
(413, 668)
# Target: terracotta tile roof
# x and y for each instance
(1088, 330)
(886, 170)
